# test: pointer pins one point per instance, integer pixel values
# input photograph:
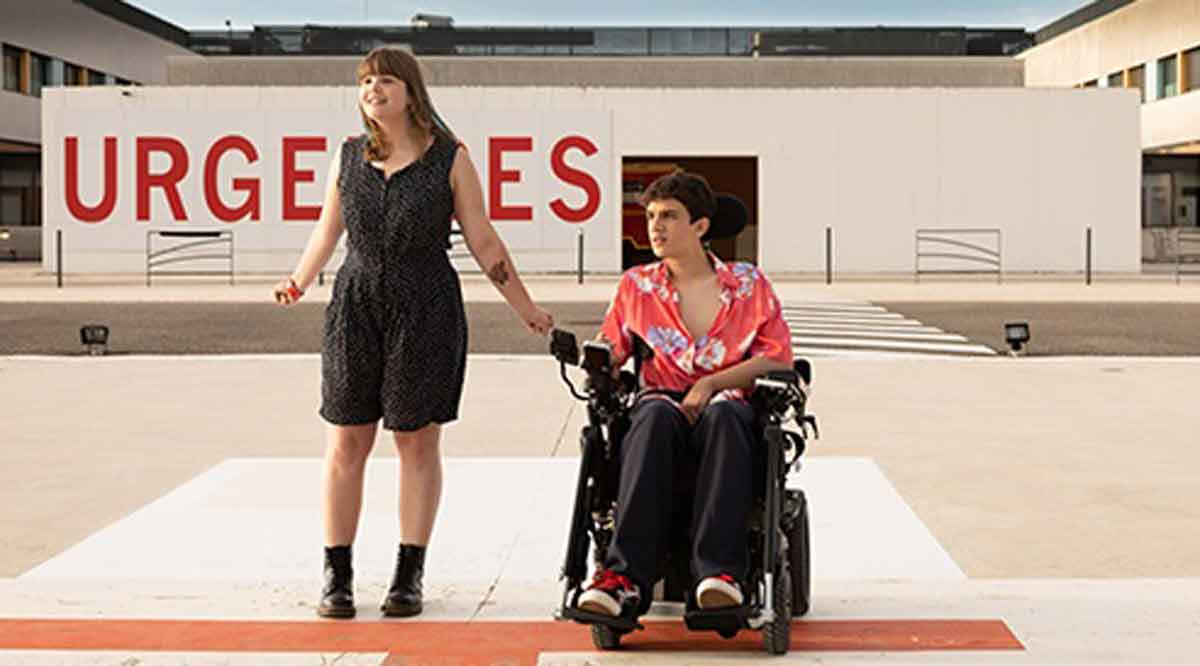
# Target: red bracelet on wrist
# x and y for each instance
(294, 290)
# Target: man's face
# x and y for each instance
(671, 231)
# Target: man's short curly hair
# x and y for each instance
(690, 189)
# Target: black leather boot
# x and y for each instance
(404, 594)
(337, 597)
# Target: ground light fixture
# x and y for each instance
(1016, 334)
(95, 336)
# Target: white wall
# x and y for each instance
(1171, 121)
(873, 164)
(198, 117)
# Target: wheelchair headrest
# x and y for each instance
(729, 219)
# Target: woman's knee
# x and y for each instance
(349, 446)
(418, 446)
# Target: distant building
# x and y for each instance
(1151, 48)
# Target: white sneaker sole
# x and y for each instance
(712, 595)
(599, 603)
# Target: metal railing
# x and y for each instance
(191, 246)
(980, 251)
(1187, 257)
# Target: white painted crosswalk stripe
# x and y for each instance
(837, 307)
(829, 314)
(851, 320)
(864, 330)
(878, 343)
(835, 334)
(861, 328)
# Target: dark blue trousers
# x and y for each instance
(665, 461)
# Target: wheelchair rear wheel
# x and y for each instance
(799, 558)
(605, 638)
(777, 635)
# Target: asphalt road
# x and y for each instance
(245, 328)
(1135, 329)
(1071, 329)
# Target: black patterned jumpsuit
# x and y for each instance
(395, 341)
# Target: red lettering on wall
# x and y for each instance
(292, 175)
(251, 208)
(108, 200)
(168, 181)
(572, 176)
(498, 175)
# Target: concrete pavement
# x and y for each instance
(1062, 489)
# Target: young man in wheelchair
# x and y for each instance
(713, 329)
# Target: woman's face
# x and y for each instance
(383, 97)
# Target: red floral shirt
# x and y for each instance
(749, 324)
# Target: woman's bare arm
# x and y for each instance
(486, 246)
(325, 236)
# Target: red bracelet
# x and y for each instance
(294, 290)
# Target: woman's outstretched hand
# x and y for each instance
(538, 320)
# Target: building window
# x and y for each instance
(1156, 199)
(95, 78)
(12, 69)
(72, 74)
(39, 74)
(1191, 70)
(20, 190)
(1090, 84)
(1116, 80)
(1137, 79)
(1168, 77)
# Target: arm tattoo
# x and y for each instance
(499, 273)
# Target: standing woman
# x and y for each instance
(395, 341)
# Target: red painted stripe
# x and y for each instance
(414, 642)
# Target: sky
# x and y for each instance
(208, 14)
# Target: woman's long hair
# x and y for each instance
(397, 62)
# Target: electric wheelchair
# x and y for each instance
(778, 585)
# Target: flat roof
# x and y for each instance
(1084, 15)
(144, 21)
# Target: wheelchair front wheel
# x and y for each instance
(605, 637)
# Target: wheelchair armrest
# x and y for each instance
(786, 376)
(780, 390)
(778, 380)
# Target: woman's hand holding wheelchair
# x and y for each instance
(537, 320)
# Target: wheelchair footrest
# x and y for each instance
(621, 624)
(724, 619)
